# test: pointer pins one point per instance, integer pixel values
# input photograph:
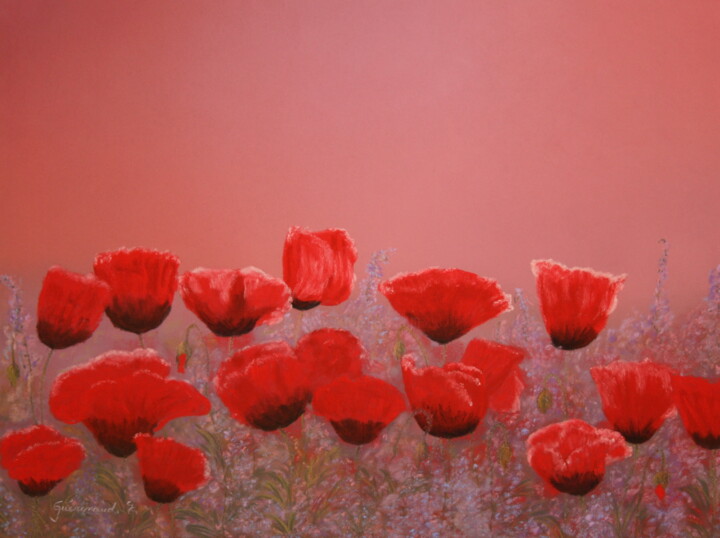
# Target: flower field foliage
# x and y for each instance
(319, 404)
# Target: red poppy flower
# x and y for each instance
(636, 397)
(447, 402)
(319, 267)
(698, 402)
(234, 302)
(445, 303)
(358, 408)
(169, 469)
(575, 302)
(571, 456)
(70, 307)
(329, 353)
(39, 457)
(143, 283)
(264, 386)
(503, 376)
(119, 394)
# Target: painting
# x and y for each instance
(363, 268)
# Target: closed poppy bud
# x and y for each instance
(544, 400)
(445, 303)
(181, 360)
(142, 282)
(505, 454)
(575, 302)
(399, 349)
(70, 307)
(13, 373)
(319, 267)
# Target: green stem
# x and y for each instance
(298, 326)
(42, 380)
(420, 345)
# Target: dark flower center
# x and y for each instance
(444, 423)
(161, 491)
(356, 432)
(269, 416)
(573, 337)
(37, 489)
(576, 483)
(56, 337)
(237, 329)
(711, 442)
(117, 437)
(637, 436)
(304, 305)
(138, 317)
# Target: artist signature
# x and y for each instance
(71, 506)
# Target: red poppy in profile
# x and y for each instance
(143, 283)
(319, 267)
(575, 302)
(503, 377)
(119, 394)
(168, 468)
(571, 456)
(39, 457)
(446, 402)
(445, 303)
(233, 302)
(636, 397)
(698, 402)
(329, 353)
(264, 386)
(70, 307)
(358, 408)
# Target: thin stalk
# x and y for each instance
(298, 326)
(142, 342)
(42, 381)
(420, 345)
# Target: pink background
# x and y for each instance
(477, 135)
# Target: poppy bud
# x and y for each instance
(183, 354)
(662, 478)
(505, 454)
(399, 349)
(660, 491)
(544, 400)
(13, 373)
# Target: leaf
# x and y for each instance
(201, 530)
(283, 526)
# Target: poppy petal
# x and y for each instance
(143, 283)
(445, 303)
(575, 302)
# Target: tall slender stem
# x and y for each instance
(42, 381)
(142, 342)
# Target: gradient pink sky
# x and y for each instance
(468, 134)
